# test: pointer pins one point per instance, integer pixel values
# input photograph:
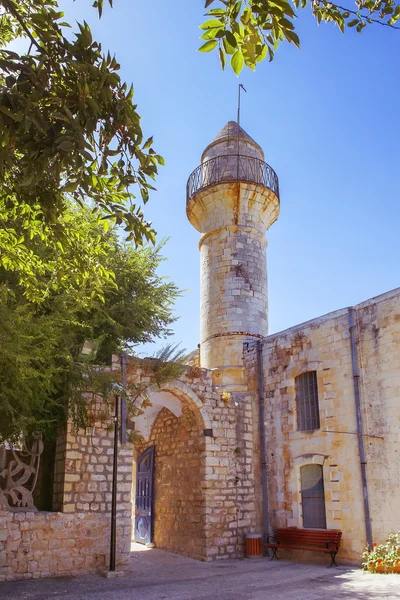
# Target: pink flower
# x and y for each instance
(374, 544)
(379, 560)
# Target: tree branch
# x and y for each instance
(10, 7)
(357, 14)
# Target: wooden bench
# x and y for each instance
(314, 540)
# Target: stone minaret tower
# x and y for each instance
(232, 199)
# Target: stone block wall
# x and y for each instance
(229, 479)
(222, 482)
(59, 470)
(75, 539)
(378, 332)
(44, 544)
(234, 293)
(323, 345)
(179, 506)
(232, 218)
(207, 456)
(232, 213)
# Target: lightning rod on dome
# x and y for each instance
(241, 87)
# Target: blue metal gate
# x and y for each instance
(144, 497)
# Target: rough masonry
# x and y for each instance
(204, 427)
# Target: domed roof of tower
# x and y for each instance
(231, 133)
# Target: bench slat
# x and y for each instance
(313, 540)
(295, 547)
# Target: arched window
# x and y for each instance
(307, 401)
(313, 496)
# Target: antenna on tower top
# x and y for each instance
(238, 111)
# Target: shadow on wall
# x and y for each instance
(178, 500)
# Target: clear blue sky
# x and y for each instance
(327, 117)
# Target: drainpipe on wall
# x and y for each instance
(361, 449)
(123, 436)
(261, 418)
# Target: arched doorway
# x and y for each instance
(143, 523)
(173, 428)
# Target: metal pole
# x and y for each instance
(238, 111)
(241, 87)
(361, 449)
(113, 537)
(122, 437)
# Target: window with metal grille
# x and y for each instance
(307, 401)
(313, 496)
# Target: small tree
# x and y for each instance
(41, 364)
(70, 131)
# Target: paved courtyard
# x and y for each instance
(158, 575)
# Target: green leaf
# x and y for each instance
(286, 24)
(237, 61)
(211, 34)
(70, 186)
(145, 194)
(208, 46)
(66, 146)
(352, 23)
(222, 58)
(212, 24)
(148, 143)
(262, 54)
(231, 39)
(217, 11)
(291, 36)
(227, 47)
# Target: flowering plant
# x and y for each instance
(383, 555)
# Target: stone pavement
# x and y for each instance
(158, 575)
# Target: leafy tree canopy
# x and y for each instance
(247, 31)
(70, 138)
(69, 131)
(42, 370)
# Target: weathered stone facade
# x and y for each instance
(179, 502)
(46, 544)
(323, 345)
(207, 516)
(232, 218)
(205, 425)
(75, 539)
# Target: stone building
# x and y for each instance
(299, 428)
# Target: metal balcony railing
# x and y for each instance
(231, 167)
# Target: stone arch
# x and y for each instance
(179, 388)
(171, 395)
(178, 419)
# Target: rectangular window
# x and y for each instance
(307, 401)
(313, 496)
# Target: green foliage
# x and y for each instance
(168, 363)
(44, 259)
(42, 369)
(383, 555)
(103, 384)
(246, 31)
(70, 131)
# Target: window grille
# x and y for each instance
(313, 497)
(307, 401)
